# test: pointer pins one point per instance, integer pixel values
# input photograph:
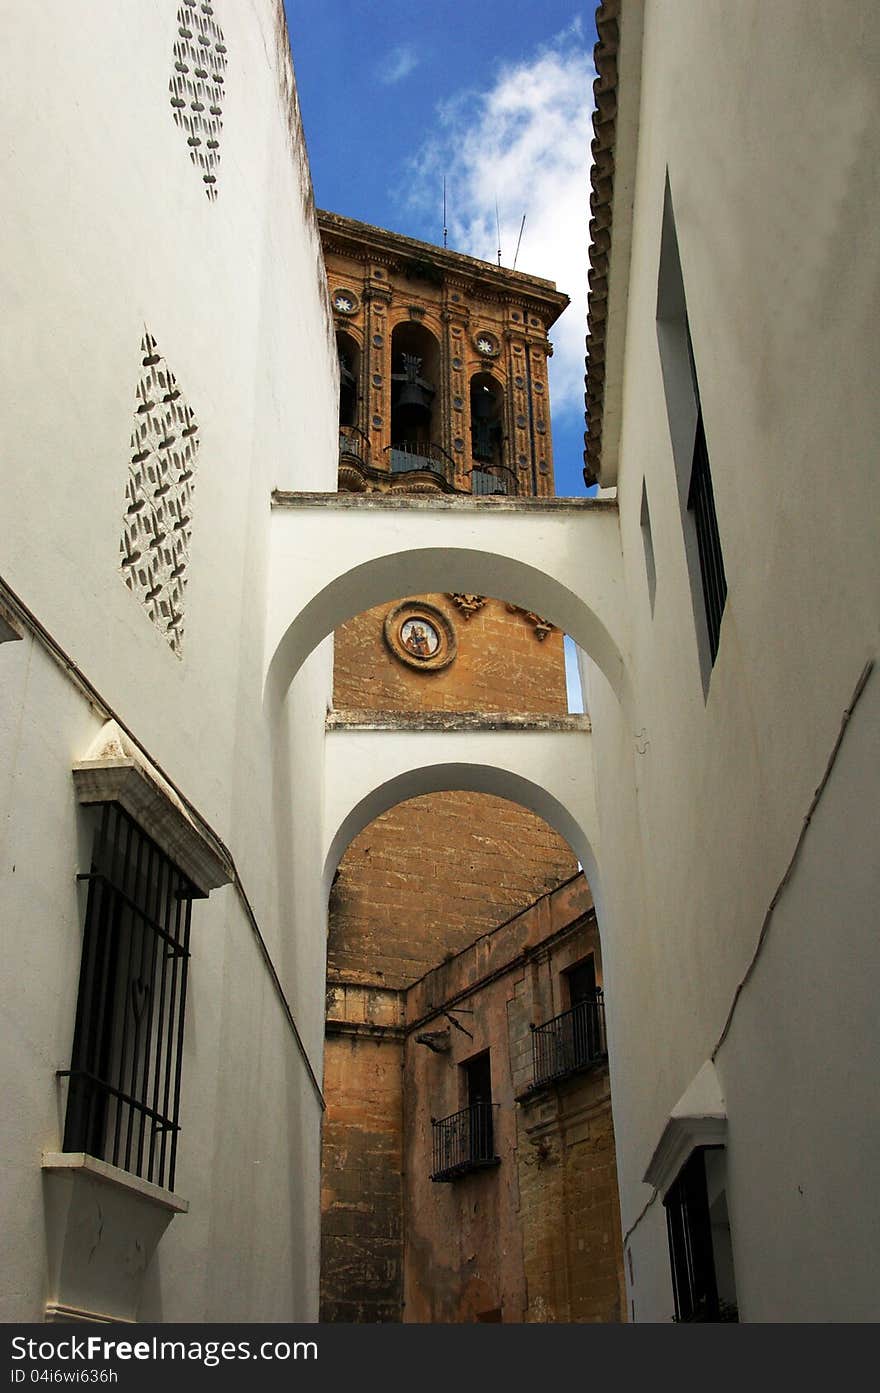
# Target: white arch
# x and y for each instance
(548, 771)
(333, 557)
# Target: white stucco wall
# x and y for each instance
(764, 117)
(108, 230)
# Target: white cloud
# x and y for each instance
(398, 64)
(525, 142)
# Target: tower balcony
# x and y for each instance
(420, 457)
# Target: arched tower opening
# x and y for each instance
(488, 473)
(415, 408)
(349, 353)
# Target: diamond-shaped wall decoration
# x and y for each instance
(197, 86)
(154, 549)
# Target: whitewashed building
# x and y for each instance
(174, 557)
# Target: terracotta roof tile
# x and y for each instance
(601, 209)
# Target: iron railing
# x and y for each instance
(464, 1141)
(124, 1094)
(496, 479)
(354, 444)
(408, 456)
(573, 1040)
(701, 502)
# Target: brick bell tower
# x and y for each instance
(443, 388)
(443, 363)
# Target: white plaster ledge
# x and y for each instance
(116, 771)
(699, 1118)
(102, 1228)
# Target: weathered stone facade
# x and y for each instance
(537, 1237)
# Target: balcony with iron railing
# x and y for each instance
(414, 456)
(490, 480)
(464, 1141)
(353, 444)
(570, 1042)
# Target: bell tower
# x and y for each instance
(443, 367)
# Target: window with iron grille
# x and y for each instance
(699, 1240)
(124, 1078)
(687, 429)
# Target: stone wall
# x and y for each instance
(536, 1237)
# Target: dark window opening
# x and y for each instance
(581, 981)
(465, 1141)
(574, 1040)
(648, 544)
(487, 406)
(701, 504)
(124, 1093)
(489, 474)
(415, 361)
(700, 1250)
(349, 367)
(687, 430)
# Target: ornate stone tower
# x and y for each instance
(443, 364)
(443, 387)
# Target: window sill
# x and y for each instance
(102, 1228)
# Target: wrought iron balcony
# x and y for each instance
(493, 479)
(354, 444)
(410, 456)
(570, 1042)
(464, 1141)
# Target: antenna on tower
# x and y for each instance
(518, 240)
(498, 227)
(444, 210)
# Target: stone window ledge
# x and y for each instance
(102, 1228)
(115, 770)
(699, 1118)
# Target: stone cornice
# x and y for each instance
(346, 236)
(384, 502)
(454, 721)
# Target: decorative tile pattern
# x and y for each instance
(156, 530)
(197, 86)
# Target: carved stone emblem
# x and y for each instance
(468, 604)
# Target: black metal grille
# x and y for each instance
(496, 479)
(701, 502)
(410, 456)
(124, 1096)
(573, 1040)
(464, 1141)
(353, 443)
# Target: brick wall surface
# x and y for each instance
(430, 876)
(500, 665)
(361, 1214)
(536, 1238)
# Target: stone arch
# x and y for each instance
(430, 570)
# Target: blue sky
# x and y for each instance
(498, 98)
